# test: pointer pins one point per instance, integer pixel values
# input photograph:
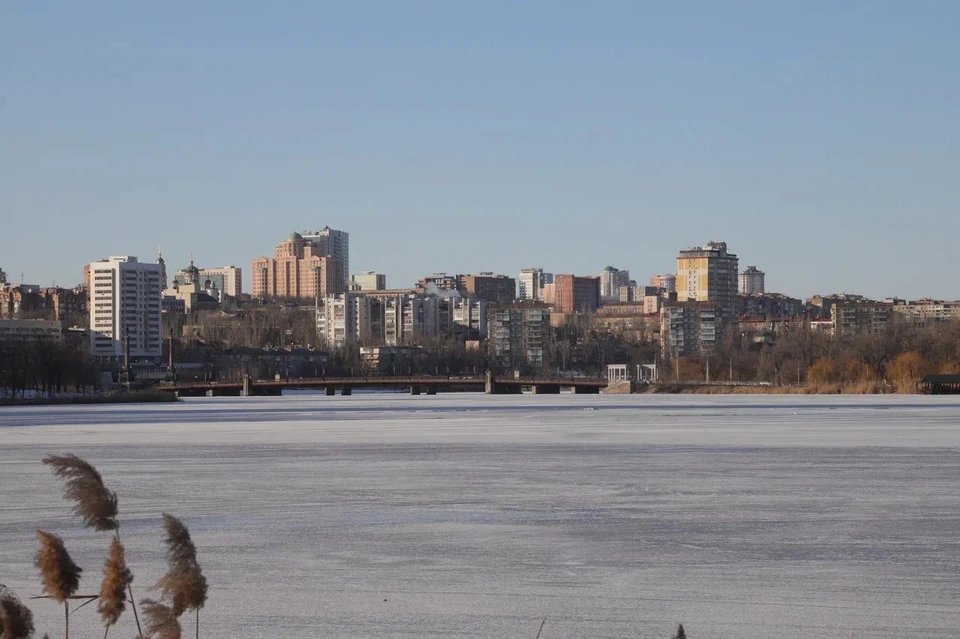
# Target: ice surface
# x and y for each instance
(475, 516)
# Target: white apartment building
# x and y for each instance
(228, 279)
(752, 281)
(531, 282)
(343, 319)
(611, 279)
(468, 316)
(125, 303)
(368, 281)
(333, 243)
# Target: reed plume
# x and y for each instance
(59, 575)
(184, 584)
(16, 620)
(160, 620)
(116, 579)
(96, 505)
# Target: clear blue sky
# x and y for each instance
(821, 140)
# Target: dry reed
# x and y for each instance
(16, 620)
(116, 579)
(184, 584)
(96, 505)
(59, 575)
(160, 620)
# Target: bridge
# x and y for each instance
(416, 385)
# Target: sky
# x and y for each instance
(820, 140)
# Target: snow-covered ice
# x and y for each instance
(473, 516)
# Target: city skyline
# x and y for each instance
(813, 139)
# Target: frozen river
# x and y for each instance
(475, 516)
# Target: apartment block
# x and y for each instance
(860, 317)
(612, 280)
(345, 318)
(667, 282)
(769, 305)
(496, 289)
(752, 281)
(125, 306)
(531, 283)
(709, 274)
(575, 294)
(300, 269)
(927, 312)
(368, 281)
(518, 335)
(15, 332)
(690, 328)
(333, 243)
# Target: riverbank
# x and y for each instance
(862, 388)
(135, 397)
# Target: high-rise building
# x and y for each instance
(3, 277)
(300, 269)
(517, 334)
(531, 283)
(690, 328)
(496, 289)
(125, 305)
(667, 282)
(752, 281)
(225, 278)
(333, 243)
(345, 318)
(709, 274)
(573, 294)
(368, 281)
(611, 279)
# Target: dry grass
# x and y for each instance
(96, 505)
(184, 584)
(58, 574)
(16, 620)
(160, 620)
(858, 388)
(116, 579)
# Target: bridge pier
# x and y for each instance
(546, 389)
(495, 388)
(586, 390)
(415, 389)
(431, 390)
(329, 391)
(225, 392)
(192, 393)
(346, 390)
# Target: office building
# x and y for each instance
(368, 281)
(573, 294)
(125, 307)
(300, 269)
(531, 283)
(752, 281)
(709, 274)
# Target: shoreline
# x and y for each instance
(135, 397)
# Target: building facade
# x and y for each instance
(769, 305)
(752, 281)
(861, 317)
(690, 328)
(612, 280)
(300, 269)
(344, 318)
(518, 335)
(15, 332)
(496, 289)
(228, 279)
(368, 281)
(709, 274)
(334, 243)
(530, 284)
(666, 281)
(125, 306)
(574, 294)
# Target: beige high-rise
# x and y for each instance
(709, 274)
(298, 270)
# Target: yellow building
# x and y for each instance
(709, 274)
